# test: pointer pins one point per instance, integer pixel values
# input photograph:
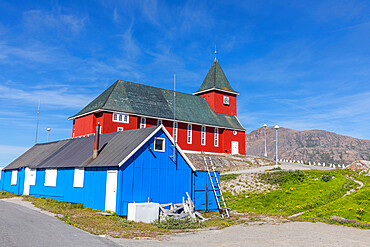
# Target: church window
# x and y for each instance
(203, 135)
(226, 100)
(216, 137)
(142, 123)
(120, 118)
(174, 134)
(189, 139)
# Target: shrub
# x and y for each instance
(172, 223)
(282, 177)
(326, 178)
(227, 177)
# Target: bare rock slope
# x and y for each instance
(309, 145)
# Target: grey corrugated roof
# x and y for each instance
(76, 152)
(145, 100)
(119, 147)
(36, 154)
(113, 148)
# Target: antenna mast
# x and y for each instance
(174, 117)
(37, 125)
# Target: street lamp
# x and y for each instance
(276, 158)
(265, 125)
(48, 129)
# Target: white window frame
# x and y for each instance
(216, 137)
(120, 118)
(142, 122)
(175, 131)
(14, 178)
(159, 122)
(119, 129)
(163, 145)
(189, 134)
(226, 100)
(51, 177)
(32, 179)
(203, 135)
(78, 178)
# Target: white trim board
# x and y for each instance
(167, 119)
(217, 89)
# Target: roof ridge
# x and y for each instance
(115, 85)
(164, 89)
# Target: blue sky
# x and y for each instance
(299, 64)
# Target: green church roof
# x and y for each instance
(155, 102)
(216, 79)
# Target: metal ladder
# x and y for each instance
(221, 203)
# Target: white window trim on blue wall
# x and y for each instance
(78, 178)
(51, 177)
(32, 178)
(163, 144)
(14, 178)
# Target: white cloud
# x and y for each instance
(39, 19)
(58, 97)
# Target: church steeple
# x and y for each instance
(215, 80)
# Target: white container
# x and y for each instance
(143, 212)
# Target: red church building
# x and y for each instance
(206, 121)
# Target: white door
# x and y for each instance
(27, 179)
(234, 148)
(111, 191)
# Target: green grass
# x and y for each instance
(5, 194)
(228, 177)
(299, 191)
(353, 207)
(90, 220)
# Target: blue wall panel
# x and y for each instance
(153, 175)
(91, 195)
(203, 195)
(6, 180)
(148, 174)
(1, 180)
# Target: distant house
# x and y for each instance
(137, 165)
(206, 121)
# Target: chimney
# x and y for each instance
(96, 141)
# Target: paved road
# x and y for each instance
(291, 234)
(21, 226)
(284, 166)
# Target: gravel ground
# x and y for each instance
(286, 234)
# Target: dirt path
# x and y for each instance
(284, 166)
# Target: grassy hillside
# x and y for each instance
(317, 192)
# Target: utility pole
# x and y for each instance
(265, 125)
(276, 158)
(48, 130)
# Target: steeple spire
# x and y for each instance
(215, 52)
(216, 79)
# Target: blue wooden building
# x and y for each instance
(137, 165)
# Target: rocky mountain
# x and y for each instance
(308, 145)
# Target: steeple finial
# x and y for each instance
(215, 52)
